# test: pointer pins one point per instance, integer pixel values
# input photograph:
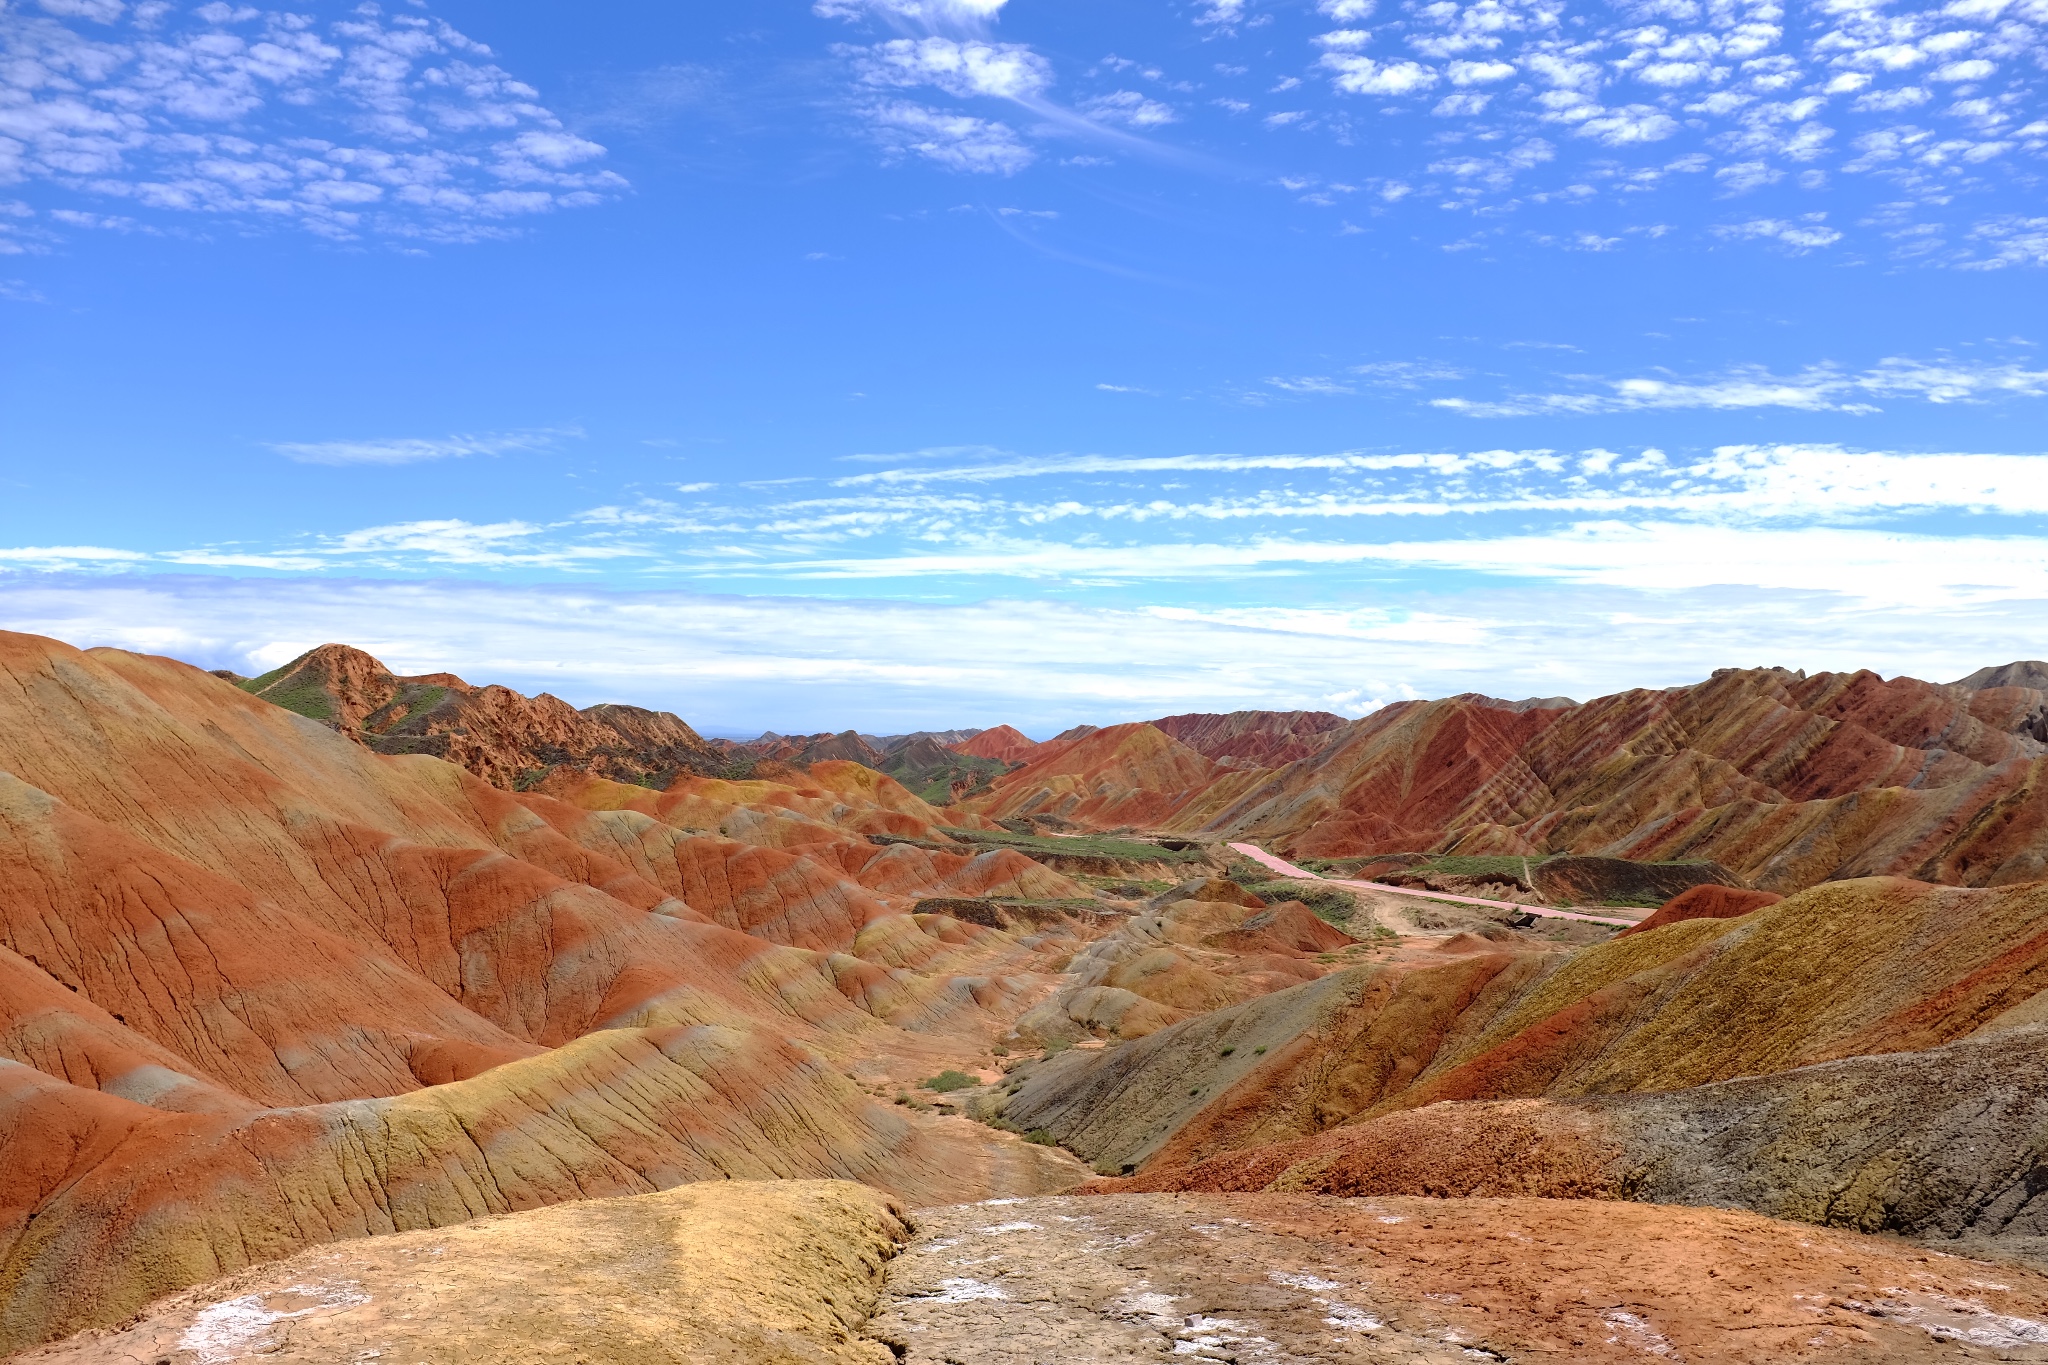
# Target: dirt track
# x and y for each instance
(1287, 869)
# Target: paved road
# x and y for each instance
(1287, 869)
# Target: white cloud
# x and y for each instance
(1314, 385)
(2009, 240)
(393, 125)
(933, 12)
(1821, 388)
(1364, 76)
(1976, 70)
(412, 450)
(1629, 124)
(67, 556)
(1478, 73)
(798, 664)
(1407, 374)
(1764, 99)
(1885, 101)
(1804, 235)
(1129, 108)
(1003, 70)
(1743, 176)
(959, 142)
(1468, 103)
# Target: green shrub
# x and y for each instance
(1331, 904)
(1055, 1046)
(1040, 1137)
(1226, 1052)
(948, 1081)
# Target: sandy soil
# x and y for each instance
(1282, 1278)
(718, 1273)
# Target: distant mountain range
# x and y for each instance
(1942, 782)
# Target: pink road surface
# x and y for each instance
(1287, 869)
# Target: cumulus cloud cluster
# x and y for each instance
(377, 123)
(1929, 107)
(947, 51)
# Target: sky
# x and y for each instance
(902, 364)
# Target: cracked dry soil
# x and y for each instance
(1278, 1279)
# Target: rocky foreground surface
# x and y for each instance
(812, 1272)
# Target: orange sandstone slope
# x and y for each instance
(1121, 775)
(262, 987)
(1005, 744)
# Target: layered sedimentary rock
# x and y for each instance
(940, 774)
(1783, 779)
(494, 732)
(1943, 1144)
(1124, 775)
(262, 987)
(1638, 1049)
(1706, 902)
(1005, 743)
(1253, 739)
(1202, 946)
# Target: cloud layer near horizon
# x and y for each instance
(738, 665)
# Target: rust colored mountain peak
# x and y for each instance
(1262, 739)
(1005, 743)
(498, 734)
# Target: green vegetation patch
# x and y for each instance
(1125, 888)
(946, 1082)
(1049, 903)
(936, 785)
(1487, 867)
(268, 679)
(308, 699)
(1080, 845)
(1331, 904)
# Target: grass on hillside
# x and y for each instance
(412, 703)
(1331, 904)
(257, 684)
(307, 699)
(1503, 866)
(1080, 845)
(1126, 888)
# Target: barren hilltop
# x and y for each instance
(354, 1016)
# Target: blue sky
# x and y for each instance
(895, 363)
